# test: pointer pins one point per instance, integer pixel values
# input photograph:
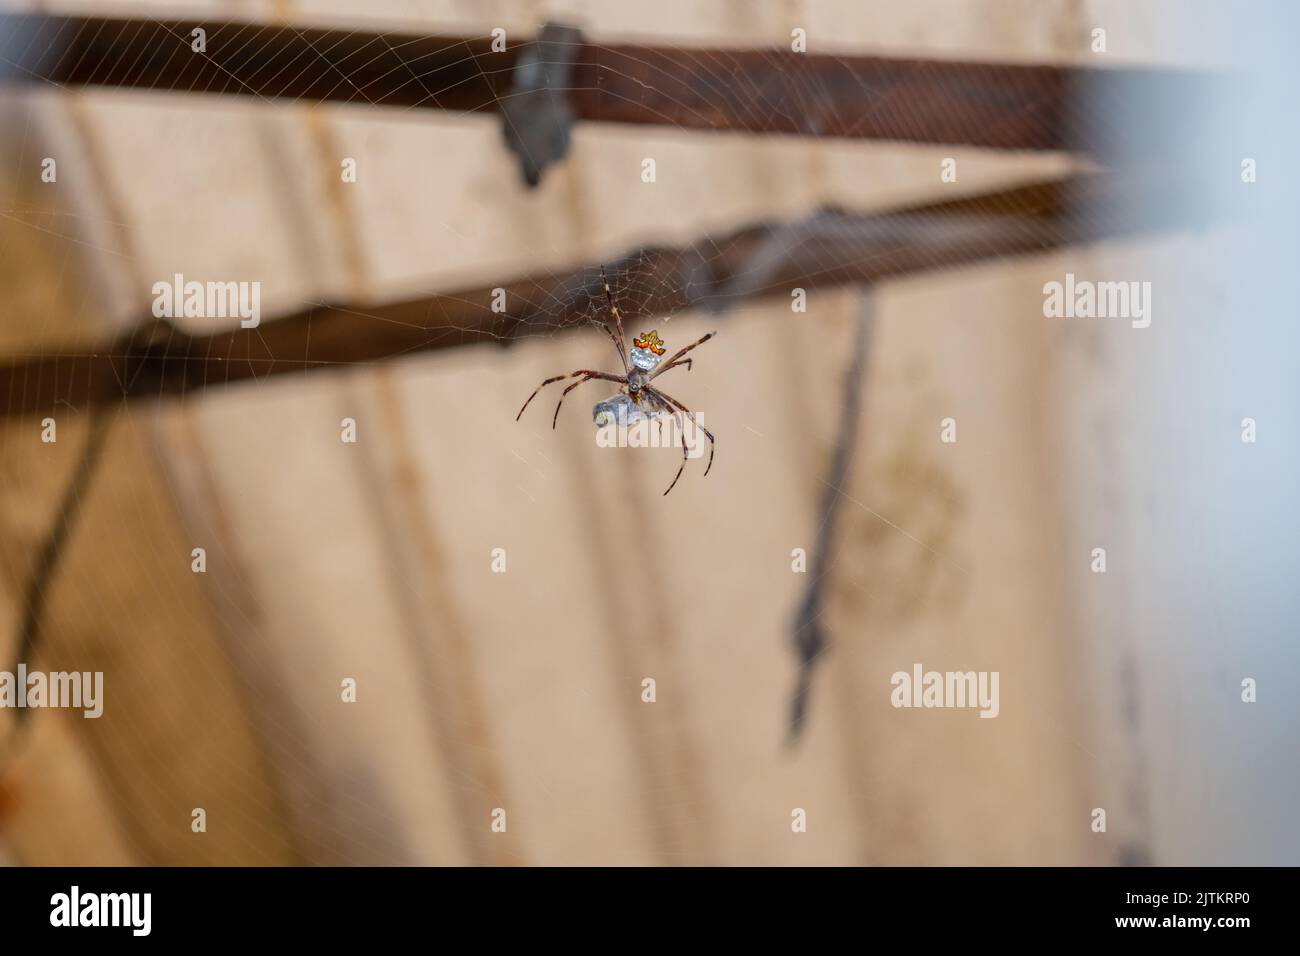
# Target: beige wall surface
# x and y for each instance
(374, 561)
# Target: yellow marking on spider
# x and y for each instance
(650, 340)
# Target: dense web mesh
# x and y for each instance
(81, 366)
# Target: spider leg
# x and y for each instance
(604, 326)
(560, 378)
(586, 377)
(676, 404)
(685, 457)
(620, 341)
(665, 366)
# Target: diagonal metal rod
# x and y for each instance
(773, 91)
(829, 248)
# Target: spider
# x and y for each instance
(639, 369)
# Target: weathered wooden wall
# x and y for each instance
(373, 561)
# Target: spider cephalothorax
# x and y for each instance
(639, 369)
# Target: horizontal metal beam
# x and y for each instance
(996, 105)
(830, 248)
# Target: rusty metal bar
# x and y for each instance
(776, 91)
(830, 248)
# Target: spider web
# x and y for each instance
(421, 249)
(568, 293)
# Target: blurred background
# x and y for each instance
(522, 690)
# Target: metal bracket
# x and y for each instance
(536, 117)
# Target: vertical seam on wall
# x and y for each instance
(97, 163)
(460, 724)
(465, 709)
(116, 210)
